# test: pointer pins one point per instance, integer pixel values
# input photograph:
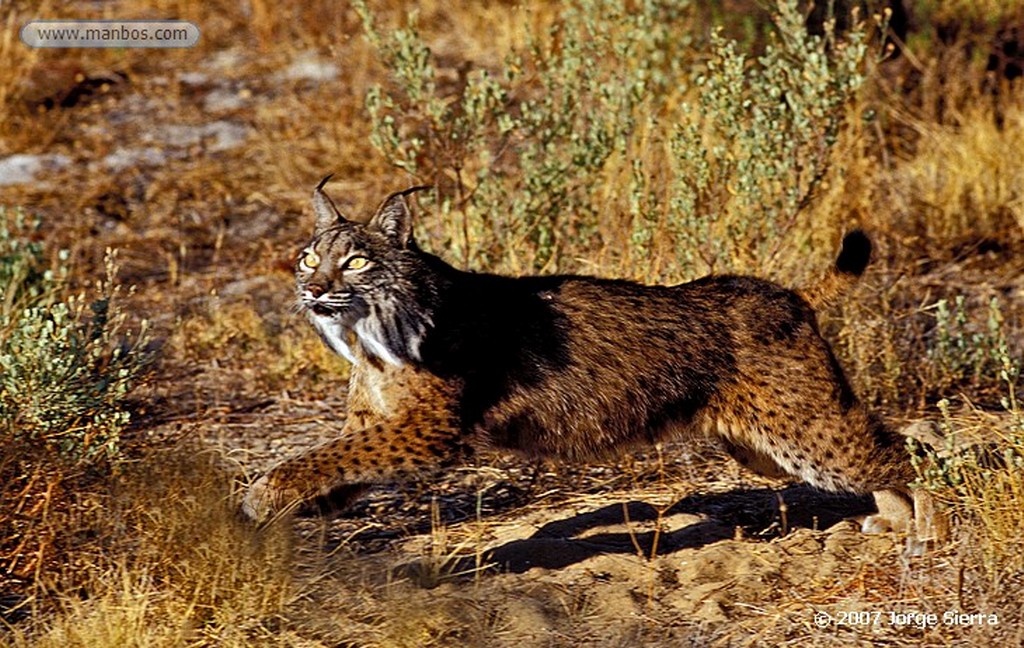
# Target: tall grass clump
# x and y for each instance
(15, 62)
(979, 471)
(614, 131)
(166, 562)
(67, 361)
(964, 184)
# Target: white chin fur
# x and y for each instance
(334, 334)
(336, 337)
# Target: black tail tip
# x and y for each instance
(856, 253)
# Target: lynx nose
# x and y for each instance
(316, 289)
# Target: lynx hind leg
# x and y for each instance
(895, 513)
(754, 461)
(931, 522)
(925, 524)
(334, 473)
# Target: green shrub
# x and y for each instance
(67, 363)
(515, 152)
(964, 353)
(752, 152)
(548, 157)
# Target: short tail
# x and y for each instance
(853, 258)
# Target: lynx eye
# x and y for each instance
(356, 263)
(310, 260)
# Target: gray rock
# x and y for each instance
(122, 159)
(23, 168)
(309, 67)
(225, 60)
(194, 78)
(222, 99)
(222, 135)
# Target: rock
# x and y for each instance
(308, 67)
(195, 79)
(223, 135)
(223, 100)
(23, 168)
(122, 159)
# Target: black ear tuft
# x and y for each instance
(394, 219)
(327, 215)
(320, 187)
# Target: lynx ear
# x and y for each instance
(327, 215)
(394, 219)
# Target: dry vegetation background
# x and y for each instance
(140, 390)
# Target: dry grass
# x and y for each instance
(156, 555)
(961, 186)
(979, 476)
(226, 332)
(152, 553)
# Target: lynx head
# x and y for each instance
(366, 280)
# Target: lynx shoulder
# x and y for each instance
(573, 367)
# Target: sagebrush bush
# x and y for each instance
(529, 160)
(514, 153)
(750, 156)
(964, 353)
(67, 362)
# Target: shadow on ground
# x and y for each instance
(760, 512)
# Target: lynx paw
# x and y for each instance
(895, 513)
(879, 523)
(263, 500)
(876, 524)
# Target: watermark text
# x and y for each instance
(110, 33)
(909, 618)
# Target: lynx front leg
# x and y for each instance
(375, 454)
